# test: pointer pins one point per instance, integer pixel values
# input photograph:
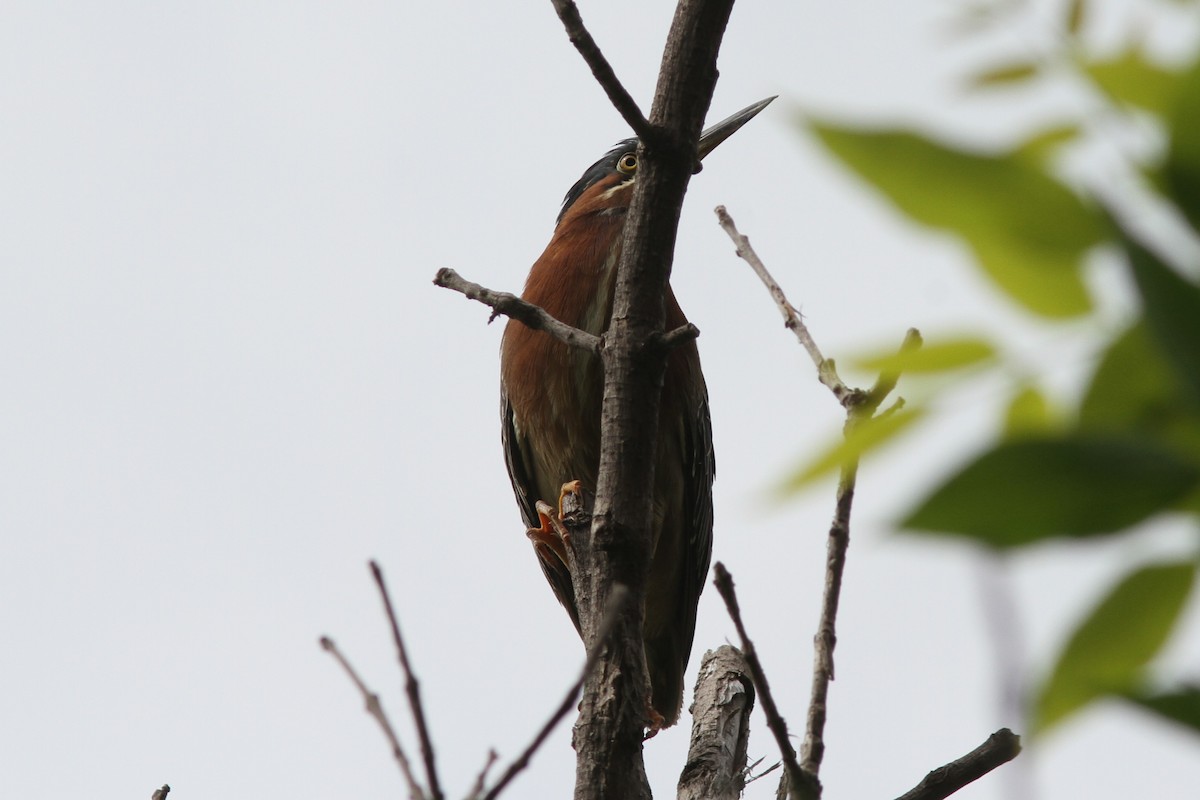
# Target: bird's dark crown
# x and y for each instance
(608, 165)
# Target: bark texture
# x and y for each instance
(716, 763)
(613, 712)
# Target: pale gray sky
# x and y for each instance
(228, 382)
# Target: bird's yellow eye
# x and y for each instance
(627, 164)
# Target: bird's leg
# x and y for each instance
(551, 540)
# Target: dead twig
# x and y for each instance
(1000, 748)
(411, 688)
(615, 601)
(805, 784)
(375, 709)
(860, 407)
(514, 307)
(568, 13)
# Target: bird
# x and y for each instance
(550, 398)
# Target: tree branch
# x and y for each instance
(512, 306)
(806, 786)
(613, 710)
(1000, 748)
(375, 709)
(411, 688)
(724, 698)
(616, 600)
(601, 69)
(793, 320)
(860, 407)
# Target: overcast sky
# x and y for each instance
(227, 382)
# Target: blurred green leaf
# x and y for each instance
(1181, 171)
(1181, 706)
(1171, 305)
(859, 439)
(1043, 144)
(1006, 75)
(1132, 388)
(1029, 489)
(1131, 79)
(930, 357)
(1107, 651)
(1028, 413)
(1135, 391)
(1028, 231)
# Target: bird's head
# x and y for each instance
(607, 186)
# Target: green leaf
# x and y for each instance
(1030, 489)
(1135, 391)
(1028, 414)
(1181, 171)
(1028, 231)
(859, 439)
(1004, 76)
(1131, 79)
(1181, 706)
(1171, 305)
(1108, 650)
(930, 357)
(1042, 145)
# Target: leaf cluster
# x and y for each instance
(1129, 452)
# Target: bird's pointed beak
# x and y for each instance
(718, 133)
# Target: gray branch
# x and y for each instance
(514, 307)
(1000, 748)
(724, 698)
(568, 13)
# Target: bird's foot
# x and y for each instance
(551, 540)
(657, 722)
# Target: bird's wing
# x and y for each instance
(522, 472)
(700, 467)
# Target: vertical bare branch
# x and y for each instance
(724, 698)
(614, 707)
(616, 601)
(860, 407)
(795, 781)
(375, 709)
(411, 688)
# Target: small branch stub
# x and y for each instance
(724, 698)
(515, 308)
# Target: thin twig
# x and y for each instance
(1000, 748)
(887, 380)
(813, 749)
(512, 306)
(792, 318)
(375, 709)
(587, 47)
(411, 688)
(807, 787)
(860, 407)
(615, 601)
(481, 778)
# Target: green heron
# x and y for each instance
(550, 408)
